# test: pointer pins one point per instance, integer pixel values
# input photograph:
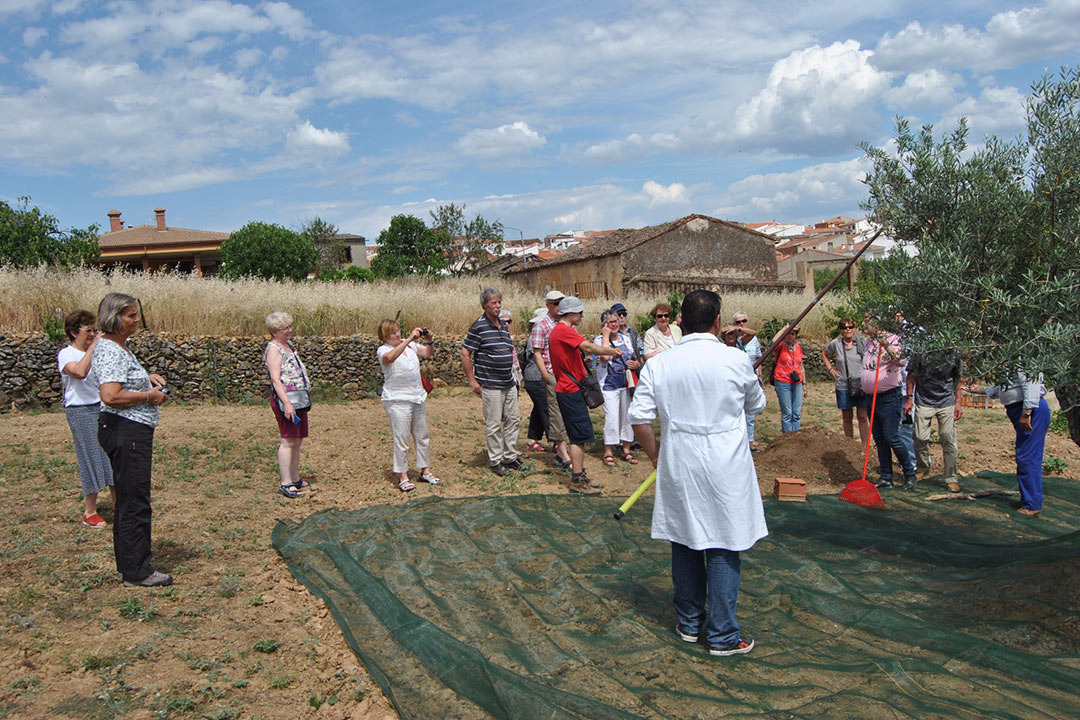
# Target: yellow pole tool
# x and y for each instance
(625, 507)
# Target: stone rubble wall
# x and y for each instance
(202, 368)
(230, 369)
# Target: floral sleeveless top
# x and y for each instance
(293, 373)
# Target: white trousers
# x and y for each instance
(408, 420)
(616, 419)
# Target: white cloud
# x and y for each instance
(1009, 39)
(32, 35)
(815, 101)
(291, 22)
(506, 140)
(673, 194)
(997, 110)
(814, 191)
(12, 7)
(926, 89)
(247, 57)
(305, 138)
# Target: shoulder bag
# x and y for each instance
(854, 385)
(300, 399)
(590, 390)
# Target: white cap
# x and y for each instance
(538, 314)
(554, 295)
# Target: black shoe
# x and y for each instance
(514, 464)
(884, 483)
(498, 470)
(910, 482)
(154, 579)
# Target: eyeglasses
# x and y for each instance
(661, 315)
(622, 313)
(847, 327)
(741, 322)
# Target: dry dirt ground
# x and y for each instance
(236, 636)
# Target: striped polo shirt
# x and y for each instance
(492, 353)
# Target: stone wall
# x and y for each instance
(201, 368)
(211, 368)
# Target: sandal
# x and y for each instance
(534, 446)
(301, 484)
(430, 478)
(564, 464)
(609, 461)
(629, 458)
(289, 491)
(405, 485)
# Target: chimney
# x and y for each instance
(160, 213)
(115, 223)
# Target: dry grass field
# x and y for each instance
(237, 636)
(213, 306)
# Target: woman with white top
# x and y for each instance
(663, 335)
(403, 398)
(82, 405)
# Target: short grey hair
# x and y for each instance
(738, 315)
(111, 308)
(607, 315)
(278, 321)
(489, 293)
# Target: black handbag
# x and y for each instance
(590, 390)
(854, 393)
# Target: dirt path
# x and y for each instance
(236, 636)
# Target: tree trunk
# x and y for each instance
(1069, 397)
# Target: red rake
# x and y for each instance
(862, 492)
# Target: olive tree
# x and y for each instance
(409, 247)
(472, 243)
(29, 237)
(994, 239)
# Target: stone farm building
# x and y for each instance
(693, 252)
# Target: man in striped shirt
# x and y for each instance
(487, 356)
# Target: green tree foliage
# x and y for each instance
(996, 230)
(29, 237)
(409, 247)
(268, 251)
(331, 250)
(472, 244)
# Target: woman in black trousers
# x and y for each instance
(129, 413)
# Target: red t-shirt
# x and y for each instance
(786, 361)
(563, 344)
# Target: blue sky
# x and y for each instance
(549, 116)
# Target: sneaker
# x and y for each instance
(498, 470)
(742, 647)
(154, 579)
(94, 521)
(685, 636)
(514, 464)
(580, 486)
(953, 486)
(884, 483)
(910, 482)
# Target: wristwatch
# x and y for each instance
(1026, 413)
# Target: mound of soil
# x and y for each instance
(826, 460)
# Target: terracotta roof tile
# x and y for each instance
(150, 236)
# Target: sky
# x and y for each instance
(549, 116)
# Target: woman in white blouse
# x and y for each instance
(403, 398)
(82, 405)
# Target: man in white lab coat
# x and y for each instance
(707, 500)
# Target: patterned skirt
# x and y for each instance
(94, 467)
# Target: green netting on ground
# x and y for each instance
(545, 607)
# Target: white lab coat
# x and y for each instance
(706, 486)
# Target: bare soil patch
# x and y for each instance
(237, 636)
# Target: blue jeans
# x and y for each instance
(789, 395)
(713, 572)
(886, 432)
(1029, 453)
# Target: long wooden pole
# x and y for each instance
(827, 288)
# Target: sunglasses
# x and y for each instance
(661, 315)
(741, 322)
(847, 327)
